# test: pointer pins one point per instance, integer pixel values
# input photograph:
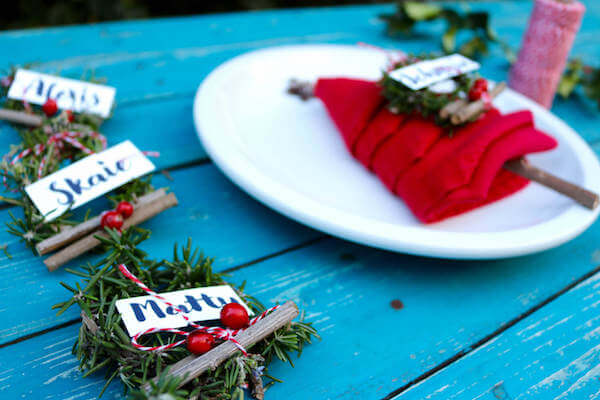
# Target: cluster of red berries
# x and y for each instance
(480, 86)
(114, 219)
(50, 108)
(233, 316)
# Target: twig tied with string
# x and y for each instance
(104, 344)
(48, 143)
(460, 111)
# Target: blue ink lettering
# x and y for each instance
(67, 194)
(139, 314)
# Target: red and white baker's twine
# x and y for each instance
(217, 332)
(487, 100)
(58, 140)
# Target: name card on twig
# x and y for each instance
(198, 304)
(69, 94)
(87, 179)
(425, 73)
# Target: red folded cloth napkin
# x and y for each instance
(437, 175)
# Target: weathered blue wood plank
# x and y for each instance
(145, 45)
(51, 370)
(222, 220)
(552, 354)
(368, 348)
(121, 54)
(163, 125)
(145, 63)
(448, 305)
(145, 59)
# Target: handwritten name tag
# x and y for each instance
(199, 304)
(425, 73)
(87, 179)
(69, 94)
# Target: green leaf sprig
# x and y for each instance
(476, 23)
(579, 75)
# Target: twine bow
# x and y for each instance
(216, 332)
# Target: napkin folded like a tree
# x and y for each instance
(436, 174)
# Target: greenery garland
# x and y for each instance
(110, 349)
(426, 102)
(32, 226)
(475, 23)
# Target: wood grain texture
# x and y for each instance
(208, 207)
(90, 241)
(149, 66)
(553, 354)
(346, 289)
(193, 366)
(578, 193)
(20, 117)
(72, 233)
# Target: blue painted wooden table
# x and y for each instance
(522, 328)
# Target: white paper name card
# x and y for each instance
(199, 304)
(88, 178)
(69, 94)
(425, 73)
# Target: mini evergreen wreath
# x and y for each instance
(104, 344)
(577, 78)
(450, 103)
(429, 101)
(60, 138)
(425, 102)
(51, 141)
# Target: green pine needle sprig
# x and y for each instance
(109, 348)
(425, 102)
(31, 226)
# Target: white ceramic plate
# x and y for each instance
(288, 155)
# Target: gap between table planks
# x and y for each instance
(554, 353)
(330, 279)
(346, 290)
(169, 71)
(206, 213)
(211, 211)
(144, 66)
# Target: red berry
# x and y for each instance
(199, 342)
(481, 83)
(70, 116)
(475, 93)
(234, 316)
(125, 209)
(112, 219)
(50, 108)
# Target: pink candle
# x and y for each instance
(548, 40)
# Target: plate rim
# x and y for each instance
(417, 240)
